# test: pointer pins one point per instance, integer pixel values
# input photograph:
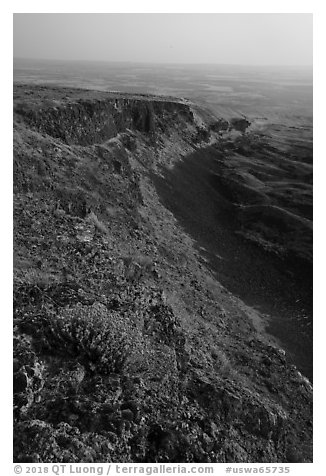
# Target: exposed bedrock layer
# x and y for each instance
(130, 343)
(92, 121)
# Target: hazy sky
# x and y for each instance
(238, 38)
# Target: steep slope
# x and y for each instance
(126, 346)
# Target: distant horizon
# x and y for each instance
(66, 60)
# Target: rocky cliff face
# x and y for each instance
(91, 121)
(126, 346)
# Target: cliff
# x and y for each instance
(126, 345)
(92, 121)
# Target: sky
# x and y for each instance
(229, 38)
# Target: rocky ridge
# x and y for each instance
(126, 347)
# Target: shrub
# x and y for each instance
(136, 267)
(99, 226)
(95, 336)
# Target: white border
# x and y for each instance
(168, 6)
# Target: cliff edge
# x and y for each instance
(127, 348)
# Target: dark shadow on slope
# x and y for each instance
(277, 288)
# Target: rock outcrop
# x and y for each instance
(92, 121)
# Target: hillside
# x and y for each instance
(136, 241)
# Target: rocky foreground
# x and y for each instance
(126, 346)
